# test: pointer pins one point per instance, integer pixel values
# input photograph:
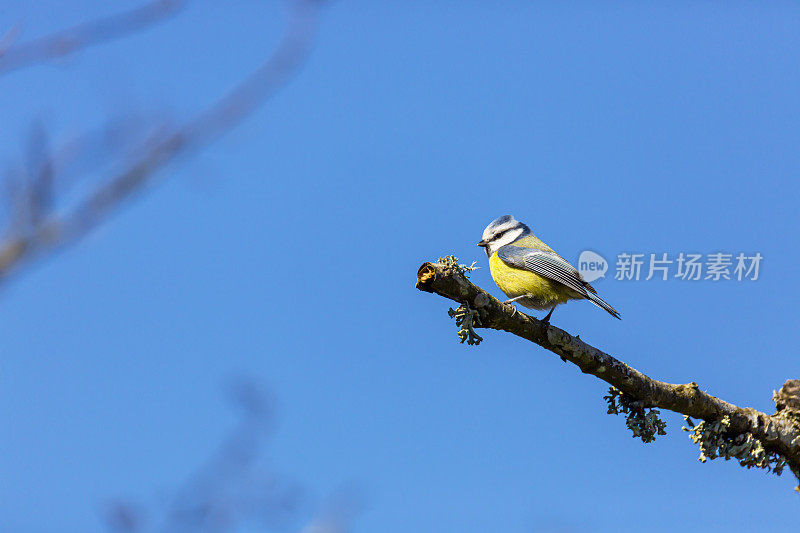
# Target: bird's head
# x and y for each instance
(502, 231)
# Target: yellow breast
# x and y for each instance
(516, 282)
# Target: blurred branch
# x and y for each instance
(754, 438)
(230, 490)
(8, 39)
(229, 487)
(50, 230)
(69, 41)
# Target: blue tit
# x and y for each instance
(530, 272)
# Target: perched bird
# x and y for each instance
(530, 272)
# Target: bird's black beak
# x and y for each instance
(483, 243)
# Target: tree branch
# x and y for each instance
(232, 488)
(82, 36)
(752, 437)
(52, 230)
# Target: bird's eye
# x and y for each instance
(498, 235)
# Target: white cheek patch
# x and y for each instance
(508, 238)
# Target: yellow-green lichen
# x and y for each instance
(643, 422)
(715, 440)
(466, 318)
(450, 264)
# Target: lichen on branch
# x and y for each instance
(643, 422)
(451, 265)
(467, 319)
(715, 440)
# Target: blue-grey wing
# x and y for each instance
(545, 263)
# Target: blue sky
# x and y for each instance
(287, 251)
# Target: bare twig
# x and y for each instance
(232, 488)
(229, 490)
(8, 39)
(69, 41)
(775, 439)
(57, 230)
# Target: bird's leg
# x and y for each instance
(546, 319)
(512, 300)
(520, 297)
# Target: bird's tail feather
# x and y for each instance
(602, 304)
